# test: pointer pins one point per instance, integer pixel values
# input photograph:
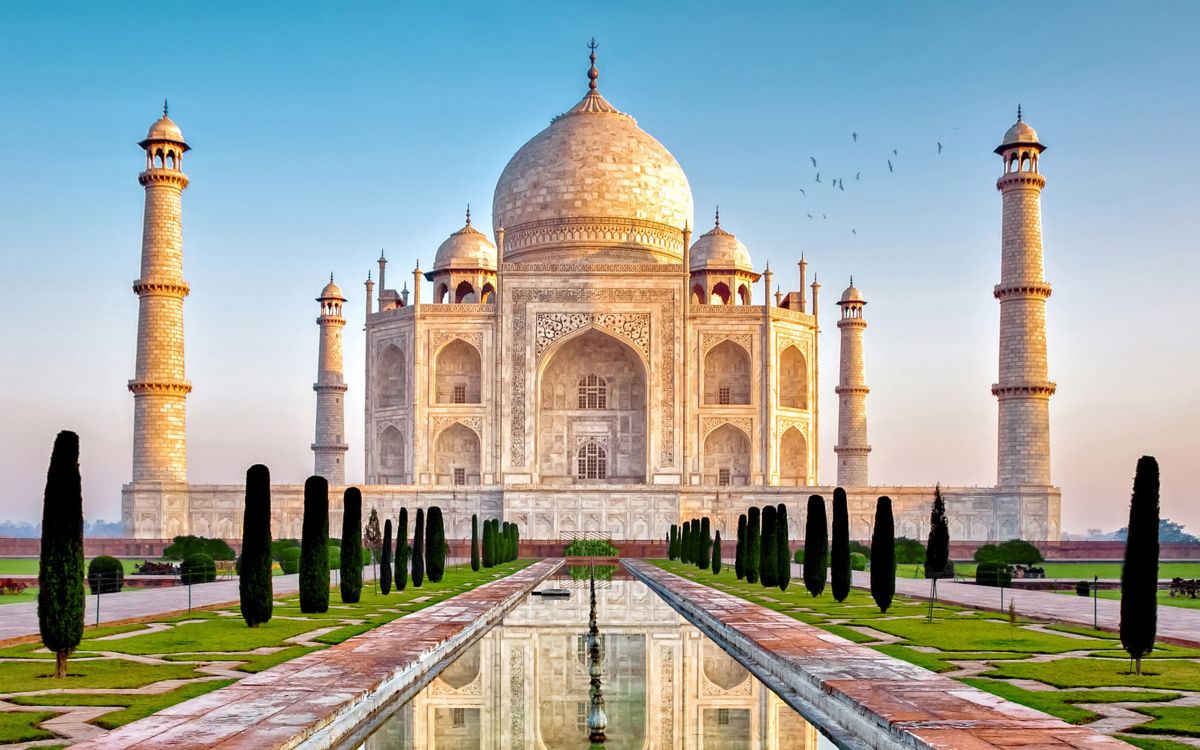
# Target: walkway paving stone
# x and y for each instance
(278, 706)
(917, 707)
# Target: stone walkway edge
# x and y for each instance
(316, 700)
(855, 691)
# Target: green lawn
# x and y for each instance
(28, 595)
(1153, 743)
(22, 726)
(133, 707)
(1076, 571)
(18, 676)
(28, 566)
(961, 635)
(1164, 598)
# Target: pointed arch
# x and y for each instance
(720, 294)
(488, 293)
(727, 456)
(391, 378)
(793, 458)
(457, 448)
(464, 293)
(743, 294)
(793, 379)
(391, 456)
(698, 294)
(441, 293)
(727, 374)
(458, 374)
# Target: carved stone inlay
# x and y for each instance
(666, 353)
(633, 327)
(741, 339)
(666, 699)
(437, 338)
(745, 424)
(516, 688)
(474, 423)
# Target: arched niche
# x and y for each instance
(458, 376)
(390, 469)
(720, 294)
(464, 293)
(390, 378)
(793, 379)
(727, 374)
(793, 458)
(457, 447)
(727, 457)
(592, 390)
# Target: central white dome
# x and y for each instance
(593, 186)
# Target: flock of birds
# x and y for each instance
(839, 183)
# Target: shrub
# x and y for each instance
(314, 547)
(739, 554)
(672, 542)
(182, 547)
(798, 556)
(839, 554)
(816, 545)
(289, 561)
(279, 545)
(591, 548)
(254, 565)
(937, 552)
(859, 547)
(105, 575)
(435, 544)
(385, 560)
(474, 542)
(768, 567)
(858, 561)
(489, 545)
(716, 554)
(704, 556)
(335, 556)
(366, 557)
(60, 569)
(1139, 573)
(403, 551)
(883, 555)
(1083, 588)
(199, 568)
(909, 551)
(993, 574)
(418, 549)
(987, 553)
(782, 558)
(1019, 552)
(753, 546)
(350, 578)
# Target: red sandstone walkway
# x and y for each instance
(281, 706)
(1175, 624)
(20, 620)
(920, 708)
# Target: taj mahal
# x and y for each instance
(593, 363)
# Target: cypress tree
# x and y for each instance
(385, 564)
(402, 552)
(683, 541)
(696, 542)
(418, 550)
(784, 552)
(768, 568)
(314, 547)
(373, 537)
(753, 545)
(816, 545)
(1139, 574)
(704, 558)
(937, 552)
(739, 553)
(435, 545)
(506, 539)
(716, 557)
(474, 542)
(516, 541)
(672, 541)
(60, 567)
(254, 578)
(883, 555)
(488, 551)
(351, 578)
(840, 553)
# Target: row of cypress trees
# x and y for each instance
(763, 553)
(501, 542)
(693, 543)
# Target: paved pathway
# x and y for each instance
(324, 692)
(1175, 624)
(20, 620)
(861, 688)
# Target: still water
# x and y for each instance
(525, 684)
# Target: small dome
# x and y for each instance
(851, 295)
(331, 291)
(719, 249)
(1020, 134)
(466, 249)
(164, 129)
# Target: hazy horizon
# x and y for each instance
(322, 134)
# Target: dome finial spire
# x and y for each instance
(1018, 113)
(164, 107)
(468, 214)
(718, 219)
(331, 277)
(593, 74)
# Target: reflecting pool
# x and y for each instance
(525, 684)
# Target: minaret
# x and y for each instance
(1024, 389)
(159, 386)
(852, 447)
(329, 448)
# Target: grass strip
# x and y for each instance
(22, 726)
(132, 707)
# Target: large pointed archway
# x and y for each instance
(592, 406)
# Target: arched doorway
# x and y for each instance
(459, 378)
(793, 459)
(727, 375)
(727, 457)
(793, 379)
(592, 412)
(456, 455)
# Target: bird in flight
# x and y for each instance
(842, 185)
(854, 136)
(854, 232)
(939, 147)
(803, 193)
(814, 161)
(818, 176)
(890, 166)
(895, 152)
(809, 215)
(858, 176)
(823, 216)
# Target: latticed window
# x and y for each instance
(593, 461)
(459, 717)
(722, 477)
(460, 475)
(722, 717)
(460, 394)
(593, 392)
(723, 395)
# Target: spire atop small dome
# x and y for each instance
(164, 129)
(468, 214)
(164, 106)
(1020, 134)
(331, 291)
(718, 217)
(592, 74)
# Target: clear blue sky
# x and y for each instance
(325, 131)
